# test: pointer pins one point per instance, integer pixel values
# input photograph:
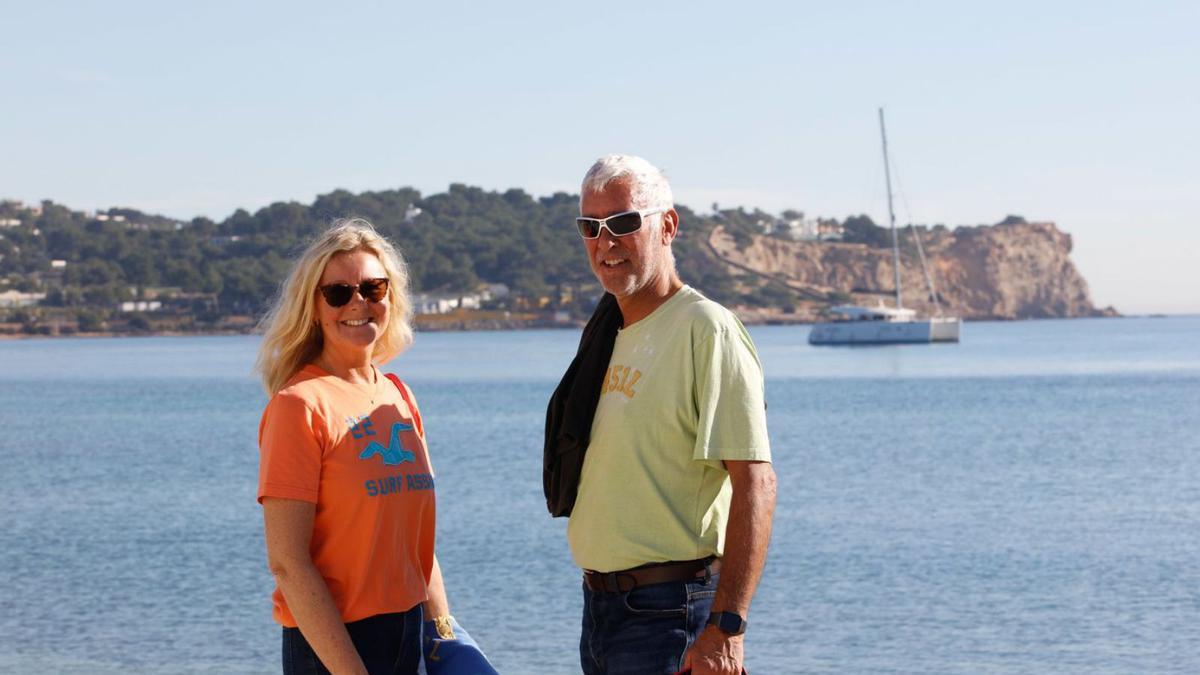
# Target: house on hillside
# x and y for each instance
(829, 229)
(15, 299)
(140, 306)
(796, 229)
(442, 303)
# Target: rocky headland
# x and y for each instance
(1005, 271)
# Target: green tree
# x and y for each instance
(861, 229)
(90, 320)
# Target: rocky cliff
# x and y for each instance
(1007, 271)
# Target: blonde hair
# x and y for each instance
(291, 336)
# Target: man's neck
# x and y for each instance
(641, 304)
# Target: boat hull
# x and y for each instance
(885, 332)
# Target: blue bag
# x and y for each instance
(455, 655)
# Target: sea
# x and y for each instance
(1026, 501)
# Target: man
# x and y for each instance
(676, 495)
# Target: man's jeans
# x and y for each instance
(645, 631)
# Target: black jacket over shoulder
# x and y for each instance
(573, 405)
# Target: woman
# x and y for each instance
(345, 480)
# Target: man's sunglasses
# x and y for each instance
(618, 225)
(337, 295)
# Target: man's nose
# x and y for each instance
(606, 237)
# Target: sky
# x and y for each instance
(1081, 113)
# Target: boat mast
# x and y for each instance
(887, 172)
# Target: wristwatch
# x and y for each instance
(728, 622)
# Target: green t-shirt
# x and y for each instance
(683, 391)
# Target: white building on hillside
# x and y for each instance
(442, 303)
(18, 299)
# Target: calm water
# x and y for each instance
(1027, 501)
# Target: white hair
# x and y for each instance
(648, 187)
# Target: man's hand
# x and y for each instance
(715, 653)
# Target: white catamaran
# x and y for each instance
(855, 325)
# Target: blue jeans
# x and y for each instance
(388, 644)
(645, 631)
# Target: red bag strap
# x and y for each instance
(411, 406)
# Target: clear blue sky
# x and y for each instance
(1084, 113)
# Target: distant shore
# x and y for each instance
(441, 326)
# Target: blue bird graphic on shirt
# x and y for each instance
(394, 453)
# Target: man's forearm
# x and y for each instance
(747, 535)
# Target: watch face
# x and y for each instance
(728, 622)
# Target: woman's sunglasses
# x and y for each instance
(372, 290)
(618, 225)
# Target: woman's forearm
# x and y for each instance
(317, 616)
(436, 604)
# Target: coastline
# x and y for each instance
(460, 323)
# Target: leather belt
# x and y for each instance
(624, 581)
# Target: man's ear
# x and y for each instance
(670, 226)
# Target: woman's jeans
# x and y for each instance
(645, 631)
(388, 644)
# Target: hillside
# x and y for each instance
(122, 270)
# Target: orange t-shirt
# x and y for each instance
(367, 469)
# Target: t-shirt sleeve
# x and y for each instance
(291, 439)
(732, 422)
